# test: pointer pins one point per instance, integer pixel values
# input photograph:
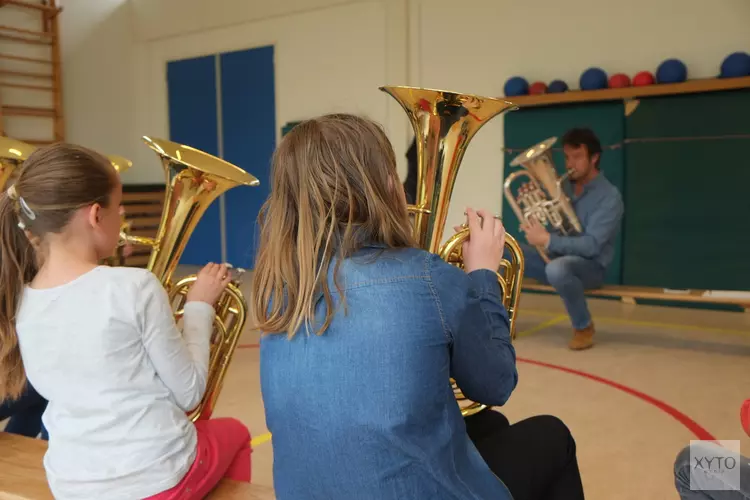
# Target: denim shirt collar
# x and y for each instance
(569, 187)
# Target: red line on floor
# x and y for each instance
(691, 424)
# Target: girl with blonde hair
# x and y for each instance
(362, 331)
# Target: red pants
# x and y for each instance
(223, 452)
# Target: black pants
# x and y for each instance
(535, 458)
(25, 414)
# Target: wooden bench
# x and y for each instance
(629, 294)
(22, 475)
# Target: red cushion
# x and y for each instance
(745, 416)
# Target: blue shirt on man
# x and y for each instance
(599, 207)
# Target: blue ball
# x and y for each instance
(671, 71)
(557, 86)
(735, 65)
(516, 85)
(593, 79)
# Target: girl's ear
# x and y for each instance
(94, 214)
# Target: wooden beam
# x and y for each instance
(41, 34)
(27, 87)
(23, 74)
(140, 197)
(12, 57)
(30, 5)
(576, 96)
(22, 475)
(28, 111)
(14, 38)
(641, 292)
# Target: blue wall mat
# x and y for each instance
(249, 135)
(193, 121)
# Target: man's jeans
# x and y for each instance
(25, 414)
(683, 468)
(569, 275)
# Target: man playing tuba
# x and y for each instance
(578, 262)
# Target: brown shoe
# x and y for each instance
(582, 339)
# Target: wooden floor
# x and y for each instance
(656, 378)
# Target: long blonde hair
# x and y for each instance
(52, 184)
(334, 190)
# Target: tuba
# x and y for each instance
(120, 163)
(194, 179)
(542, 197)
(444, 123)
(12, 154)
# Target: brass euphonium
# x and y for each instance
(542, 197)
(444, 123)
(120, 163)
(194, 179)
(12, 154)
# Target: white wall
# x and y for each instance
(98, 52)
(477, 47)
(325, 60)
(333, 55)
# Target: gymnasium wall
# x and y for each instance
(99, 57)
(476, 47)
(333, 54)
(326, 58)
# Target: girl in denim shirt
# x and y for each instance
(363, 330)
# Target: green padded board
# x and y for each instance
(288, 127)
(688, 204)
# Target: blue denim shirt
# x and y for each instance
(366, 411)
(600, 210)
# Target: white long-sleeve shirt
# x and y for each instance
(120, 376)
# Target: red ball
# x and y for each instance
(619, 80)
(538, 88)
(643, 78)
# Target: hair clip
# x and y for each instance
(27, 211)
(12, 193)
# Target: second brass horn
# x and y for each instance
(541, 197)
(194, 180)
(14, 152)
(444, 123)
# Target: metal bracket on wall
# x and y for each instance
(631, 105)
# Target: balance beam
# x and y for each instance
(22, 475)
(629, 294)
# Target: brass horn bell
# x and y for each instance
(444, 123)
